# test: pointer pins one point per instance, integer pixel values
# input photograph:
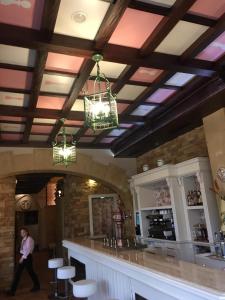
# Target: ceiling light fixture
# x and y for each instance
(64, 149)
(79, 16)
(100, 106)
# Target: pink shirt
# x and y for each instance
(27, 246)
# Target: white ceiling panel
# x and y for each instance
(130, 92)
(80, 18)
(78, 105)
(43, 121)
(181, 37)
(111, 70)
(12, 127)
(17, 56)
(38, 138)
(14, 99)
(56, 83)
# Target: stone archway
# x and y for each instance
(40, 160)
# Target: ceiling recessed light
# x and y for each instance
(79, 16)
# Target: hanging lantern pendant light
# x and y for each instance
(64, 151)
(100, 106)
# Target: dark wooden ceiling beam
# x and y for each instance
(165, 26)
(165, 11)
(14, 111)
(188, 105)
(86, 68)
(16, 67)
(205, 39)
(29, 38)
(147, 92)
(50, 13)
(109, 23)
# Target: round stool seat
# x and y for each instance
(55, 263)
(66, 272)
(84, 288)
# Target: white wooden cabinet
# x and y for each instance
(167, 189)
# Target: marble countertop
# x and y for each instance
(178, 270)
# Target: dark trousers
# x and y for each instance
(28, 265)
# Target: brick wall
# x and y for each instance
(186, 146)
(76, 205)
(7, 228)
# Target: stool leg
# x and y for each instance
(56, 284)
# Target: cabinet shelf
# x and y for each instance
(199, 243)
(156, 207)
(195, 207)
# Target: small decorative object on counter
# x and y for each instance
(200, 232)
(145, 167)
(221, 174)
(194, 198)
(160, 162)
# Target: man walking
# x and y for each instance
(25, 261)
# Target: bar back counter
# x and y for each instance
(137, 274)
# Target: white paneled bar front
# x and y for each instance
(122, 274)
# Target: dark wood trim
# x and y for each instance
(123, 78)
(16, 67)
(86, 68)
(165, 11)
(29, 38)
(111, 19)
(205, 39)
(189, 105)
(165, 26)
(49, 17)
(36, 85)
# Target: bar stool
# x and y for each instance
(84, 288)
(65, 273)
(55, 263)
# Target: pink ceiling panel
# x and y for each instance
(146, 74)
(208, 8)
(61, 62)
(11, 137)
(107, 140)
(15, 79)
(73, 122)
(26, 13)
(50, 102)
(134, 28)
(41, 129)
(12, 119)
(126, 125)
(215, 50)
(160, 95)
(121, 107)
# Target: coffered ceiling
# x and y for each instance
(163, 59)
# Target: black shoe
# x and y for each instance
(10, 293)
(35, 289)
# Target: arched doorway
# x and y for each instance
(40, 160)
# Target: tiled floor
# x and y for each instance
(23, 291)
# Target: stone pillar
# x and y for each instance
(7, 230)
(214, 127)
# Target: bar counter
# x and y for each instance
(137, 274)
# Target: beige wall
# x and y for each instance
(14, 162)
(214, 126)
(189, 145)
(7, 227)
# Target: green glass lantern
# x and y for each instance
(64, 148)
(100, 107)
